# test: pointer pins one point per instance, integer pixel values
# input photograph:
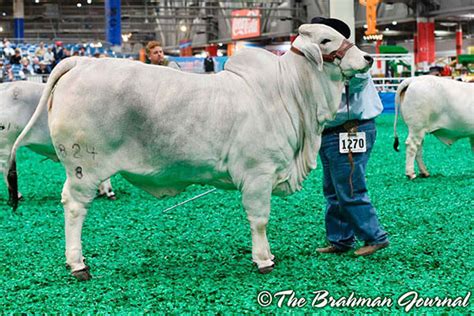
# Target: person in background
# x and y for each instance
(43, 70)
(40, 51)
(208, 63)
(349, 211)
(48, 56)
(8, 73)
(16, 59)
(156, 55)
(26, 68)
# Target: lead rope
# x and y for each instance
(351, 160)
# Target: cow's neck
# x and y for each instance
(312, 97)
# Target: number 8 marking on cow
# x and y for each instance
(79, 174)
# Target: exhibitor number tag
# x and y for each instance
(355, 142)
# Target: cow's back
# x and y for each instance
(157, 121)
(437, 103)
(18, 101)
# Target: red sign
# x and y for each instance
(245, 24)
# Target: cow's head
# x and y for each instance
(320, 43)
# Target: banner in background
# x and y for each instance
(242, 27)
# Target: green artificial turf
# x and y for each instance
(197, 258)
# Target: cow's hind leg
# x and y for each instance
(413, 143)
(256, 194)
(76, 196)
(105, 189)
(421, 165)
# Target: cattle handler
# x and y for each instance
(345, 149)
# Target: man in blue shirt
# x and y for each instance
(345, 149)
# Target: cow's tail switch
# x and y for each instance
(398, 99)
(11, 175)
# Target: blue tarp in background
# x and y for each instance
(388, 101)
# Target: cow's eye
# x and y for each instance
(325, 41)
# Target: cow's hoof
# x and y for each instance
(82, 275)
(424, 175)
(411, 176)
(265, 270)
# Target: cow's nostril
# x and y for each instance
(369, 59)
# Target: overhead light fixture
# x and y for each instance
(4, 14)
(79, 5)
(387, 29)
(183, 28)
(1, 29)
(37, 1)
(89, 1)
(448, 24)
(394, 22)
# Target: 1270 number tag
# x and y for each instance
(355, 142)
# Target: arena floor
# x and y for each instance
(196, 258)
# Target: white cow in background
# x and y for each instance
(18, 101)
(429, 104)
(254, 127)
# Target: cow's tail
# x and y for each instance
(398, 100)
(11, 175)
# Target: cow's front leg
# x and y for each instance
(105, 188)
(75, 199)
(413, 143)
(421, 165)
(256, 195)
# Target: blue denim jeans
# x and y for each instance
(349, 216)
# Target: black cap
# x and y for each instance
(336, 24)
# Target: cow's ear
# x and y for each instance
(311, 50)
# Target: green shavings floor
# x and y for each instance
(197, 258)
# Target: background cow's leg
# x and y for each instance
(419, 160)
(76, 197)
(5, 148)
(105, 188)
(256, 195)
(413, 143)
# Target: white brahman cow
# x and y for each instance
(429, 104)
(18, 101)
(254, 127)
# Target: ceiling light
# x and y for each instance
(37, 1)
(448, 24)
(89, 1)
(387, 29)
(1, 29)
(394, 22)
(79, 5)
(4, 14)
(183, 28)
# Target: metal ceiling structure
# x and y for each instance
(209, 21)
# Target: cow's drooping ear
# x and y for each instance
(310, 49)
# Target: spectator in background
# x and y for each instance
(156, 55)
(40, 51)
(43, 70)
(8, 73)
(26, 68)
(16, 59)
(35, 64)
(58, 51)
(1, 70)
(82, 51)
(48, 56)
(208, 63)
(8, 51)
